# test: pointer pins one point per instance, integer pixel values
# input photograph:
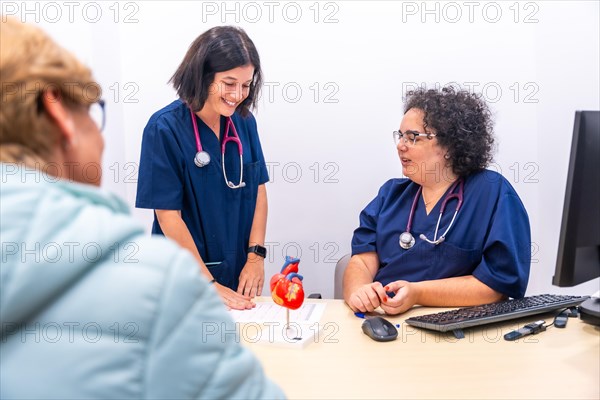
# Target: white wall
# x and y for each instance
(330, 147)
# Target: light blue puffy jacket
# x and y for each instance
(91, 307)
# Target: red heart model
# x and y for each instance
(286, 287)
(287, 290)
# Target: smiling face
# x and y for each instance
(228, 90)
(422, 162)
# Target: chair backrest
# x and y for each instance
(340, 267)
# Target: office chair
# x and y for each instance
(340, 267)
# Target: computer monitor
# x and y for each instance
(578, 258)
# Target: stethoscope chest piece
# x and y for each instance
(202, 159)
(407, 240)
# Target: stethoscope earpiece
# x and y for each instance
(436, 242)
(231, 185)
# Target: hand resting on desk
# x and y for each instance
(370, 296)
(367, 298)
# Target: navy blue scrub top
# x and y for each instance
(490, 238)
(218, 217)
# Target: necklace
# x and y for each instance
(426, 202)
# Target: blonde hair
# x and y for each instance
(32, 65)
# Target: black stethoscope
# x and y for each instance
(406, 238)
(202, 158)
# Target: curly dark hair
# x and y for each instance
(462, 122)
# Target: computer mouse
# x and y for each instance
(379, 329)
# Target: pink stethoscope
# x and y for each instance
(406, 238)
(202, 158)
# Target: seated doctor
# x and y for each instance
(202, 168)
(453, 233)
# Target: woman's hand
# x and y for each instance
(252, 277)
(367, 297)
(406, 295)
(233, 300)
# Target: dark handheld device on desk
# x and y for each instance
(529, 329)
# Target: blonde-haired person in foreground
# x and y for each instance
(90, 307)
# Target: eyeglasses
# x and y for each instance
(410, 137)
(98, 114)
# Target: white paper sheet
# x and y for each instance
(269, 312)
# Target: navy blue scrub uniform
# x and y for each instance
(219, 218)
(490, 238)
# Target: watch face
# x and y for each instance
(258, 250)
(261, 251)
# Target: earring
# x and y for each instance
(447, 156)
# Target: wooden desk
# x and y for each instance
(345, 364)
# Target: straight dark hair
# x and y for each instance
(219, 49)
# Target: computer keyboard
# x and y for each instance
(495, 312)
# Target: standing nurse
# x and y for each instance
(202, 169)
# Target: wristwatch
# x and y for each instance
(258, 250)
